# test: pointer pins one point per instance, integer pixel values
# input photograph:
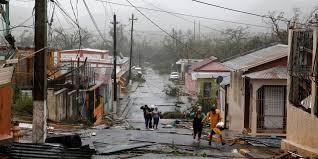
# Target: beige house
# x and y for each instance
(302, 108)
(256, 95)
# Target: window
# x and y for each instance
(207, 89)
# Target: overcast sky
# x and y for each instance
(103, 13)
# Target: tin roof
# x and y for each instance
(213, 67)
(259, 57)
(86, 50)
(203, 63)
(279, 72)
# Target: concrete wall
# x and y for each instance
(57, 104)
(72, 109)
(302, 127)
(257, 84)
(236, 102)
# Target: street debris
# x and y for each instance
(119, 148)
(70, 141)
(262, 141)
(29, 150)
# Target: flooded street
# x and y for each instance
(149, 93)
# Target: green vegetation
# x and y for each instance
(23, 104)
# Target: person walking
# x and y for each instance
(150, 116)
(145, 109)
(197, 117)
(156, 117)
(214, 118)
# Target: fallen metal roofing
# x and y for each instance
(279, 72)
(258, 57)
(28, 150)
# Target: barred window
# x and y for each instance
(300, 69)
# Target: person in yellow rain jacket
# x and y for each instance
(214, 117)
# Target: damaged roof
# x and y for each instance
(256, 58)
(279, 72)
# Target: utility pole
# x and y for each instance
(131, 45)
(199, 31)
(115, 64)
(40, 73)
(194, 30)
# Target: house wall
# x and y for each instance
(5, 113)
(190, 85)
(236, 102)
(302, 127)
(212, 98)
(222, 101)
(257, 84)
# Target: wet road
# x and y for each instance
(150, 92)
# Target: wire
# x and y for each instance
(187, 20)
(186, 46)
(78, 26)
(243, 12)
(65, 13)
(188, 15)
(94, 22)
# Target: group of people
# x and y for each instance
(151, 114)
(199, 120)
(216, 124)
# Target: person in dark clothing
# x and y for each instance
(146, 109)
(156, 116)
(150, 117)
(197, 117)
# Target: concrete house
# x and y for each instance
(202, 82)
(302, 105)
(256, 95)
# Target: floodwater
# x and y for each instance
(150, 93)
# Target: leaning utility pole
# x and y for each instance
(114, 69)
(40, 73)
(131, 45)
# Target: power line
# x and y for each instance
(188, 15)
(240, 11)
(186, 46)
(94, 22)
(187, 20)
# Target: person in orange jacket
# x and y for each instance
(214, 118)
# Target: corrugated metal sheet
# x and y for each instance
(212, 66)
(44, 151)
(6, 75)
(258, 57)
(279, 72)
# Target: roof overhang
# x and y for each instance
(206, 75)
